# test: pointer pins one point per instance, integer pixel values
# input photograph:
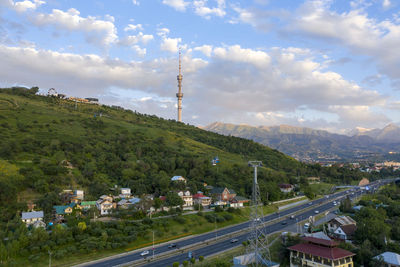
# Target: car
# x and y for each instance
(306, 225)
(144, 253)
(309, 203)
(292, 217)
(316, 212)
(284, 222)
(234, 240)
(172, 245)
(334, 203)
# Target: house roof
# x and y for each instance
(198, 195)
(240, 198)
(344, 220)
(332, 253)
(390, 258)
(349, 229)
(219, 190)
(88, 203)
(285, 186)
(177, 178)
(61, 209)
(320, 241)
(31, 215)
(134, 200)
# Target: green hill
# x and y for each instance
(49, 144)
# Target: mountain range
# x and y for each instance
(307, 144)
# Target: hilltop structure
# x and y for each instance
(179, 95)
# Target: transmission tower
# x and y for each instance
(258, 241)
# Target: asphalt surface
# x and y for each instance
(321, 205)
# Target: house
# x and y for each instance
(340, 221)
(363, 182)
(66, 209)
(286, 188)
(79, 194)
(87, 204)
(223, 194)
(125, 193)
(390, 259)
(345, 232)
(178, 179)
(318, 252)
(201, 199)
(238, 202)
(126, 203)
(105, 205)
(358, 208)
(187, 198)
(31, 217)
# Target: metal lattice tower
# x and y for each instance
(179, 95)
(258, 241)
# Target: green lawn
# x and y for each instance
(322, 188)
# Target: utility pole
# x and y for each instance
(49, 257)
(215, 224)
(153, 244)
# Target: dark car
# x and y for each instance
(284, 222)
(172, 245)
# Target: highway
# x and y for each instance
(214, 247)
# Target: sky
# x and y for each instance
(325, 64)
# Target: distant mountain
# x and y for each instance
(308, 144)
(390, 133)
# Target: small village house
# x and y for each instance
(340, 221)
(30, 218)
(187, 198)
(201, 199)
(105, 205)
(390, 259)
(238, 202)
(222, 194)
(178, 179)
(286, 188)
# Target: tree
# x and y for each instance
(173, 199)
(157, 203)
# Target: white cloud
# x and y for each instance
(201, 8)
(179, 5)
(357, 31)
(163, 32)
(23, 6)
(133, 27)
(237, 54)
(170, 44)
(134, 39)
(205, 49)
(135, 2)
(386, 4)
(97, 31)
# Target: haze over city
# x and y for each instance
(323, 64)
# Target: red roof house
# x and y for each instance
(316, 252)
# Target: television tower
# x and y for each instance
(179, 95)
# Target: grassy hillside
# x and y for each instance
(52, 144)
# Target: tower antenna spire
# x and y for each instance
(179, 95)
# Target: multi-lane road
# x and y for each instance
(214, 242)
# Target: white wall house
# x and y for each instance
(32, 217)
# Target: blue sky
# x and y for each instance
(323, 64)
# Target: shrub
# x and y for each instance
(180, 219)
(147, 221)
(175, 264)
(210, 218)
(192, 260)
(200, 213)
(201, 258)
(228, 217)
(218, 209)
(185, 263)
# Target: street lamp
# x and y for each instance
(49, 257)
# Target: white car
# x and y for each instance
(145, 253)
(316, 212)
